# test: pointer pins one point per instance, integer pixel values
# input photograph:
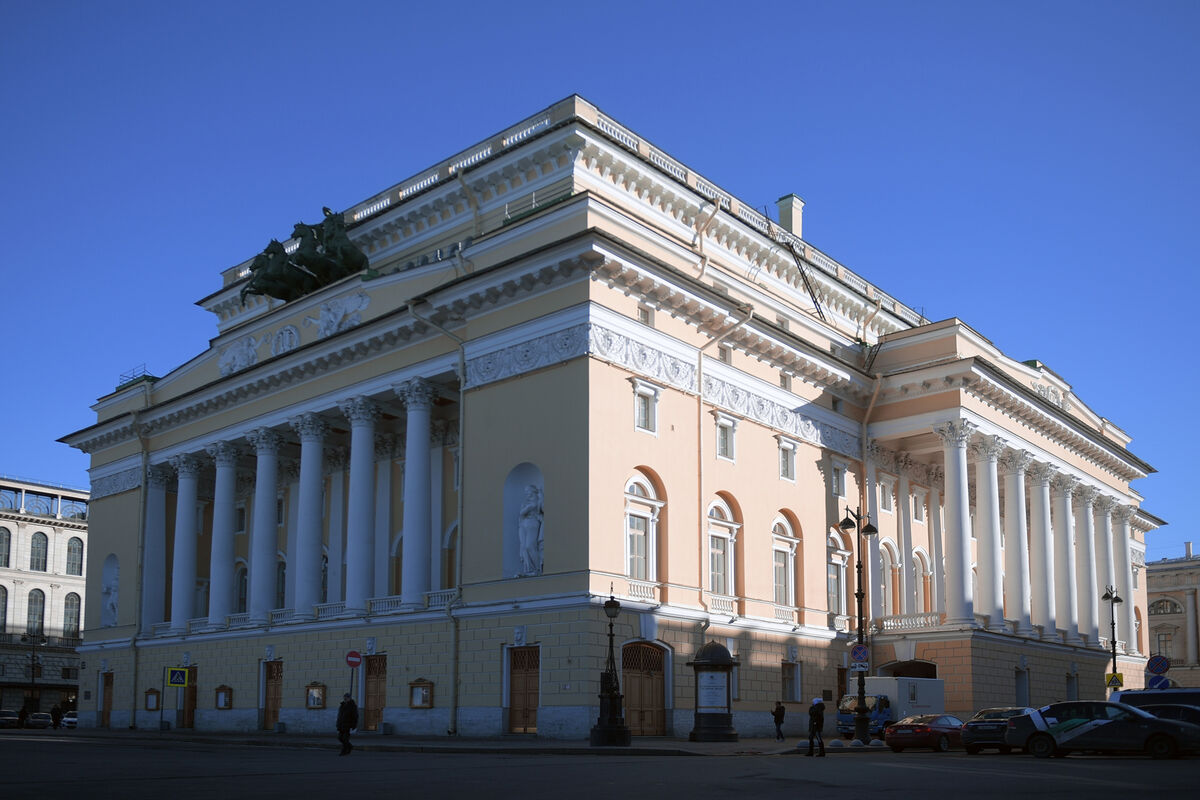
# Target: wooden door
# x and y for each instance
(273, 693)
(642, 673)
(524, 671)
(375, 685)
(187, 717)
(106, 707)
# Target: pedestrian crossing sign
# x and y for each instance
(177, 676)
(1113, 680)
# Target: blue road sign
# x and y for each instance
(177, 676)
(1158, 665)
(1158, 682)
(860, 652)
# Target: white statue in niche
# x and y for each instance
(529, 530)
(108, 594)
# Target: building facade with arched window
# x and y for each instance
(576, 367)
(1172, 585)
(43, 542)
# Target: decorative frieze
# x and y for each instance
(339, 314)
(238, 356)
(527, 356)
(116, 483)
(775, 415)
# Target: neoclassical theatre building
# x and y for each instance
(575, 367)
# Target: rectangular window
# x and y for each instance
(1164, 645)
(885, 497)
(918, 508)
(70, 673)
(838, 482)
(718, 559)
(834, 588)
(790, 680)
(645, 412)
(279, 518)
(836, 405)
(645, 405)
(787, 459)
(781, 577)
(645, 315)
(1135, 577)
(785, 381)
(637, 547)
(239, 519)
(726, 430)
(725, 354)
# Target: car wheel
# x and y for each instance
(897, 749)
(1005, 749)
(973, 749)
(1041, 745)
(942, 745)
(1161, 747)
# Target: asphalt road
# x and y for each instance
(52, 765)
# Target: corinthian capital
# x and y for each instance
(188, 465)
(1105, 504)
(265, 441)
(1040, 473)
(1063, 485)
(309, 427)
(1087, 496)
(1015, 462)
(417, 393)
(955, 433)
(359, 410)
(988, 448)
(224, 453)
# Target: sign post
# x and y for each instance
(353, 659)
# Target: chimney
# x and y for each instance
(1187, 548)
(791, 214)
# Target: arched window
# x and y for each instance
(37, 610)
(922, 582)
(783, 562)
(5, 543)
(71, 606)
(37, 553)
(239, 581)
(1165, 605)
(835, 575)
(75, 556)
(642, 508)
(722, 536)
(887, 580)
(3, 609)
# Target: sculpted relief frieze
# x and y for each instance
(339, 314)
(116, 483)
(238, 356)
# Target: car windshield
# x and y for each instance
(922, 719)
(850, 702)
(998, 713)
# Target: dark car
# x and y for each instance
(987, 728)
(1062, 728)
(39, 719)
(938, 731)
(1178, 711)
(9, 719)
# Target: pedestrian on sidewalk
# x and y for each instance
(778, 715)
(56, 717)
(816, 723)
(347, 720)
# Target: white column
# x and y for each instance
(385, 454)
(987, 533)
(959, 605)
(937, 569)
(908, 562)
(1066, 607)
(1041, 550)
(220, 565)
(1189, 637)
(872, 580)
(360, 523)
(263, 531)
(154, 552)
(1124, 562)
(338, 459)
(1016, 541)
(435, 509)
(418, 400)
(183, 568)
(1085, 566)
(291, 474)
(311, 512)
(1105, 569)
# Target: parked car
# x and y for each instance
(1179, 711)
(39, 719)
(987, 728)
(938, 731)
(1154, 697)
(1062, 728)
(70, 719)
(9, 719)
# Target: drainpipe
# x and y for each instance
(459, 343)
(144, 442)
(748, 312)
(698, 243)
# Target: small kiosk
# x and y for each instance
(714, 711)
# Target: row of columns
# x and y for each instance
(362, 549)
(1052, 572)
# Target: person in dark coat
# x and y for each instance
(778, 715)
(347, 720)
(816, 723)
(56, 717)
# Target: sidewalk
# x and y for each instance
(515, 745)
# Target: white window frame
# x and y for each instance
(887, 492)
(837, 478)
(918, 500)
(648, 393)
(727, 529)
(728, 424)
(784, 542)
(645, 315)
(725, 353)
(887, 574)
(839, 556)
(795, 696)
(785, 381)
(787, 458)
(646, 508)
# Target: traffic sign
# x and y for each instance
(1114, 680)
(858, 666)
(1158, 665)
(1158, 682)
(353, 658)
(860, 652)
(177, 676)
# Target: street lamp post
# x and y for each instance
(855, 521)
(610, 728)
(1111, 596)
(33, 640)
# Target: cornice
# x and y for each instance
(15, 516)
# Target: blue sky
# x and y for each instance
(1029, 167)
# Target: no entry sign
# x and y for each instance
(353, 658)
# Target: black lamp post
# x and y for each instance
(33, 640)
(854, 521)
(610, 727)
(1110, 595)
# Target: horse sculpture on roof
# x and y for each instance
(323, 254)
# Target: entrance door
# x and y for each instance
(642, 673)
(187, 717)
(524, 669)
(273, 694)
(376, 691)
(106, 708)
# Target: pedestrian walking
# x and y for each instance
(778, 715)
(347, 720)
(816, 723)
(56, 716)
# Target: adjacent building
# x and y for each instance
(43, 542)
(1171, 587)
(576, 368)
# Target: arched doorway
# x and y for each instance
(910, 669)
(643, 675)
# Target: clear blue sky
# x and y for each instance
(1030, 167)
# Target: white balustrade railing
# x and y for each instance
(238, 620)
(618, 132)
(384, 605)
(908, 622)
(160, 628)
(643, 590)
(279, 615)
(198, 624)
(721, 604)
(785, 614)
(440, 598)
(330, 610)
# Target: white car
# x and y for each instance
(70, 719)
